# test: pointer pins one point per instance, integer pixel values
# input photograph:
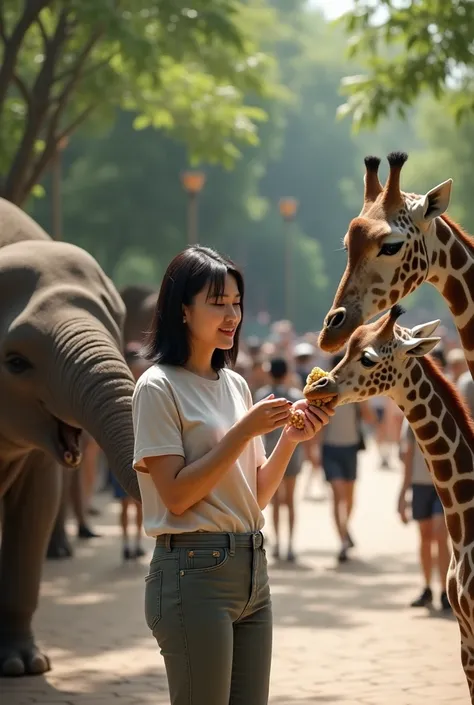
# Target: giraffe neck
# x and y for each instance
(445, 433)
(451, 271)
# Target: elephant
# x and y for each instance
(61, 371)
(140, 302)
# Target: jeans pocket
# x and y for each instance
(153, 595)
(205, 560)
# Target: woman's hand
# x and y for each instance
(265, 416)
(314, 419)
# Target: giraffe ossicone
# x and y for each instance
(383, 358)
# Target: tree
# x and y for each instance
(181, 66)
(411, 48)
(124, 203)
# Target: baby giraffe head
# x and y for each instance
(377, 361)
(388, 249)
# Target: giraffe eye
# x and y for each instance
(390, 248)
(366, 361)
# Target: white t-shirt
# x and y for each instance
(176, 412)
(343, 428)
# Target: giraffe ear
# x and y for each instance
(436, 201)
(424, 330)
(418, 347)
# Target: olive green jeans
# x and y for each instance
(207, 602)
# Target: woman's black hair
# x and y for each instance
(167, 341)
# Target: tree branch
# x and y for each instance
(37, 110)
(76, 75)
(51, 146)
(88, 71)
(14, 41)
(43, 31)
(22, 87)
(3, 36)
(72, 127)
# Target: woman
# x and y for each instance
(204, 481)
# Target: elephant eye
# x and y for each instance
(390, 248)
(366, 361)
(17, 364)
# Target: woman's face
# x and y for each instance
(212, 322)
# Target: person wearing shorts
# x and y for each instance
(341, 442)
(285, 495)
(427, 511)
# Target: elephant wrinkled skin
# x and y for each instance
(61, 370)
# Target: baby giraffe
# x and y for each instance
(383, 358)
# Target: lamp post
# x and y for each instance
(193, 182)
(288, 209)
(56, 204)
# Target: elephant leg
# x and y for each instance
(30, 508)
(59, 545)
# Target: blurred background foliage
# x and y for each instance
(256, 110)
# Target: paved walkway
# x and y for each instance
(342, 634)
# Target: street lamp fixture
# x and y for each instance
(288, 210)
(193, 183)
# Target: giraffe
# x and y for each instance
(382, 358)
(397, 242)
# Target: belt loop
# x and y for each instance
(168, 543)
(262, 539)
(231, 544)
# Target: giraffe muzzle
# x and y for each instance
(336, 319)
(323, 390)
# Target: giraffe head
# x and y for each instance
(377, 360)
(388, 250)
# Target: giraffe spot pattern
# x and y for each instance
(464, 491)
(428, 431)
(442, 470)
(424, 390)
(454, 292)
(449, 427)
(439, 447)
(467, 335)
(462, 458)
(444, 235)
(457, 256)
(436, 407)
(417, 413)
(453, 524)
(445, 497)
(416, 374)
(468, 516)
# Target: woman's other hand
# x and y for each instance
(265, 416)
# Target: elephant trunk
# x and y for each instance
(92, 375)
